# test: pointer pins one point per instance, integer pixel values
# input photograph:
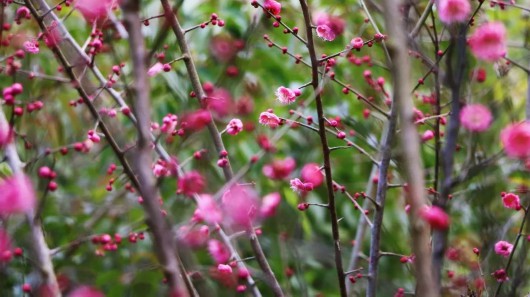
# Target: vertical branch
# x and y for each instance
(325, 147)
(42, 258)
(456, 64)
(164, 240)
(194, 79)
(412, 163)
(216, 137)
(375, 236)
(361, 229)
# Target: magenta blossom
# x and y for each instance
(285, 95)
(269, 204)
(488, 42)
(311, 173)
(93, 10)
(510, 200)
(516, 140)
(300, 187)
(279, 169)
(269, 119)
(234, 127)
(17, 195)
(454, 11)
(503, 248)
(475, 117)
(218, 251)
(325, 32)
(86, 291)
(436, 217)
(240, 206)
(208, 210)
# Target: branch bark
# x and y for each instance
(456, 63)
(325, 148)
(412, 163)
(375, 237)
(163, 235)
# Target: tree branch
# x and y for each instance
(412, 163)
(325, 148)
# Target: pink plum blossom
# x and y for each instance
(515, 139)
(325, 32)
(285, 95)
(279, 169)
(427, 135)
(311, 173)
(169, 124)
(500, 275)
(234, 127)
(191, 183)
(31, 46)
(335, 23)
(436, 217)
(194, 236)
(208, 209)
(93, 10)
(475, 117)
(224, 269)
(269, 119)
(269, 204)
(454, 11)
(503, 248)
(18, 195)
(218, 251)
(357, 43)
(300, 187)
(510, 200)
(488, 42)
(273, 7)
(155, 69)
(240, 206)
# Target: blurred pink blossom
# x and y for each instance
(325, 32)
(436, 217)
(240, 206)
(208, 210)
(488, 42)
(285, 95)
(93, 10)
(475, 117)
(515, 139)
(218, 251)
(269, 204)
(191, 183)
(279, 169)
(454, 11)
(311, 173)
(17, 195)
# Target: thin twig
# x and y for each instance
(325, 148)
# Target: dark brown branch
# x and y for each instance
(325, 148)
(375, 237)
(410, 144)
(456, 66)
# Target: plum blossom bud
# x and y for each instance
(224, 269)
